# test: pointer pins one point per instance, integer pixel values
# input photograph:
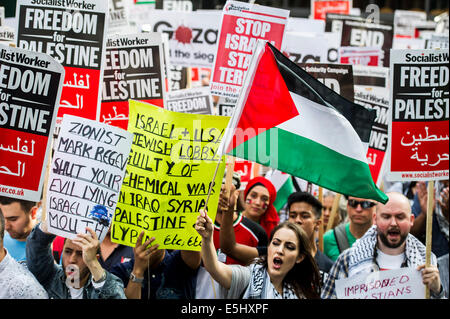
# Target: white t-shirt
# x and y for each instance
(388, 262)
(207, 287)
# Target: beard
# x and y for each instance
(384, 239)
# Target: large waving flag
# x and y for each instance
(287, 120)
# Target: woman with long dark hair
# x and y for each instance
(288, 271)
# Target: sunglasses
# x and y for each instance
(365, 204)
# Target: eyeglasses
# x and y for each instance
(365, 204)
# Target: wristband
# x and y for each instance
(133, 278)
(103, 278)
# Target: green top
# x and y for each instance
(330, 247)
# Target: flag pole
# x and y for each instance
(334, 209)
(321, 219)
(212, 182)
(429, 226)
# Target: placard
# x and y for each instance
(74, 34)
(319, 8)
(419, 114)
(364, 34)
(194, 101)
(192, 35)
(243, 24)
(118, 17)
(403, 283)
(86, 175)
(134, 70)
(30, 88)
(338, 77)
(170, 169)
(372, 90)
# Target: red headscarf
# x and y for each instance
(270, 218)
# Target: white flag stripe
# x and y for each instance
(325, 126)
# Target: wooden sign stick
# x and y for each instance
(321, 218)
(334, 210)
(430, 201)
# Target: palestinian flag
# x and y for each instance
(287, 120)
(283, 184)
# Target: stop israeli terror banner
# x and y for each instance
(74, 34)
(419, 115)
(242, 25)
(30, 88)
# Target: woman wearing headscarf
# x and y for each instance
(259, 196)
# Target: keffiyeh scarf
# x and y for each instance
(260, 286)
(361, 258)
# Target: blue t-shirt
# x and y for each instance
(16, 248)
(439, 244)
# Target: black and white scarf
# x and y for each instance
(260, 286)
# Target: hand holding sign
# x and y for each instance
(430, 277)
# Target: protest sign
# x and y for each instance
(178, 77)
(170, 171)
(74, 34)
(306, 47)
(200, 77)
(118, 17)
(368, 56)
(176, 5)
(195, 101)
(305, 25)
(243, 24)
(319, 8)
(30, 88)
(403, 283)
(192, 35)
(365, 34)
(133, 70)
(247, 170)
(372, 91)
(86, 175)
(7, 35)
(419, 113)
(226, 105)
(338, 77)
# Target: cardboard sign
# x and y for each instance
(7, 35)
(195, 101)
(372, 90)
(178, 77)
(243, 24)
(338, 77)
(306, 47)
(363, 34)
(118, 17)
(361, 56)
(133, 70)
(30, 88)
(192, 35)
(419, 115)
(305, 25)
(319, 8)
(2, 16)
(170, 169)
(226, 106)
(403, 283)
(74, 34)
(86, 176)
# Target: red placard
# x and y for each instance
(242, 26)
(321, 8)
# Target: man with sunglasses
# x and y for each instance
(343, 236)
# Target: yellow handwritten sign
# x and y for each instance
(170, 169)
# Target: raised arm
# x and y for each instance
(243, 253)
(219, 271)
